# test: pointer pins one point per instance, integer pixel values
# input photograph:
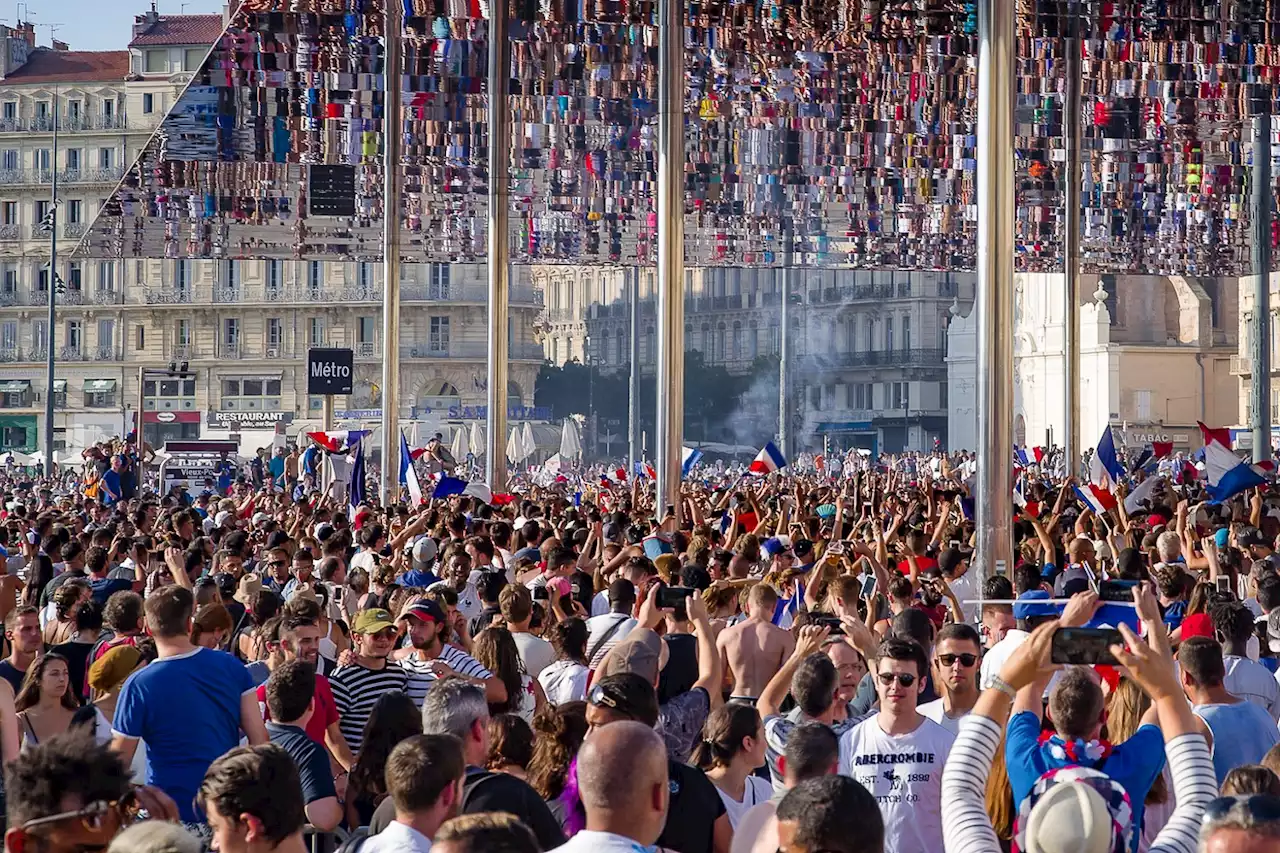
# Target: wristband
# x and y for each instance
(1004, 687)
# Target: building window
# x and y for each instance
(108, 108)
(888, 335)
(139, 338)
(182, 333)
(1142, 406)
(10, 110)
(906, 330)
(156, 61)
(251, 394)
(10, 160)
(106, 158)
(231, 333)
(273, 276)
(275, 335)
(73, 112)
(181, 275)
(231, 275)
(192, 57)
(8, 213)
(148, 103)
(9, 335)
(438, 285)
(39, 335)
(942, 395)
(315, 332)
(75, 336)
(10, 280)
(101, 397)
(365, 332)
(73, 160)
(42, 280)
(75, 277)
(438, 335)
(315, 277)
(106, 337)
(364, 274)
(106, 277)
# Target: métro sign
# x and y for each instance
(330, 371)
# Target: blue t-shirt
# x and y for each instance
(1135, 764)
(187, 709)
(106, 587)
(111, 487)
(418, 578)
(1242, 734)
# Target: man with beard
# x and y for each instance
(424, 782)
(431, 656)
(300, 641)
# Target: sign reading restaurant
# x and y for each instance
(248, 420)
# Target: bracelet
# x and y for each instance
(1004, 687)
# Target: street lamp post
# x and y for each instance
(53, 287)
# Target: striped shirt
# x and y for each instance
(967, 829)
(356, 689)
(421, 675)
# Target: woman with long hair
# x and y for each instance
(496, 651)
(248, 644)
(47, 702)
(1125, 709)
(731, 749)
(510, 745)
(394, 718)
(211, 627)
(998, 798)
(558, 735)
(565, 679)
(38, 577)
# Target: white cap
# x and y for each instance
(220, 520)
(260, 518)
(424, 551)
(1070, 818)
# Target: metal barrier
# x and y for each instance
(328, 841)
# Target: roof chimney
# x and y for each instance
(27, 32)
(59, 45)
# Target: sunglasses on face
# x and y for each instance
(905, 679)
(385, 634)
(966, 659)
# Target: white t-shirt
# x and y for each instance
(965, 589)
(600, 603)
(904, 774)
(1253, 681)
(588, 841)
(998, 654)
(535, 653)
(756, 792)
(934, 711)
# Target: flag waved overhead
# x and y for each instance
(848, 126)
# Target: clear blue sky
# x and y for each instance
(94, 24)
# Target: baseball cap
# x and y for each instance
(220, 520)
(424, 551)
(773, 546)
(1033, 603)
(627, 695)
(226, 583)
(1253, 536)
(611, 530)
(372, 621)
(426, 610)
(1074, 809)
(802, 548)
(260, 518)
(528, 554)
(639, 653)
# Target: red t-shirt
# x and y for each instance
(924, 564)
(325, 714)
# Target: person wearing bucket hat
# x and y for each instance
(1069, 808)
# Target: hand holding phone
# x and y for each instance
(673, 596)
(1087, 646)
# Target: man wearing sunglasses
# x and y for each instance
(898, 754)
(955, 660)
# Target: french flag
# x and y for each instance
(339, 440)
(1038, 453)
(644, 469)
(1020, 456)
(1105, 472)
(1164, 449)
(690, 456)
(1225, 473)
(409, 474)
(768, 460)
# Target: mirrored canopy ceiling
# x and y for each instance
(850, 124)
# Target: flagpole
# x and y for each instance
(392, 135)
(499, 264)
(1260, 345)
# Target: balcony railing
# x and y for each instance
(108, 297)
(11, 231)
(167, 296)
(471, 351)
(108, 353)
(73, 354)
(17, 177)
(367, 349)
(66, 123)
(229, 350)
(71, 296)
(39, 232)
(880, 358)
(73, 229)
(181, 352)
(227, 295)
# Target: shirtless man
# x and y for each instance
(754, 649)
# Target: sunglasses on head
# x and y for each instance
(906, 679)
(93, 817)
(966, 659)
(598, 696)
(1259, 807)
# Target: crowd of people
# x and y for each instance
(800, 662)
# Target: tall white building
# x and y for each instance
(867, 348)
(243, 327)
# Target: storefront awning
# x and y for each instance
(14, 386)
(99, 386)
(60, 386)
